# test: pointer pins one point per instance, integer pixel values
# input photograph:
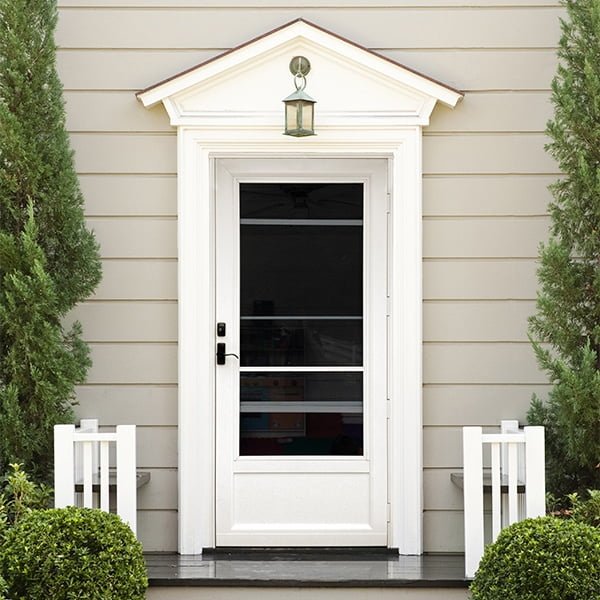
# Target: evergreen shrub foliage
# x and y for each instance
(547, 557)
(566, 329)
(19, 496)
(49, 261)
(73, 553)
(586, 508)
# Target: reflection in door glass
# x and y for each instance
(301, 200)
(314, 342)
(301, 307)
(295, 413)
(290, 269)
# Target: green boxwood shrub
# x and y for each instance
(68, 553)
(545, 558)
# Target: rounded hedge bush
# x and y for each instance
(545, 558)
(68, 553)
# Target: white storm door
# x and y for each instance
(301, 415)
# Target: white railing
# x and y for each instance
(511, 466)
(81, 456)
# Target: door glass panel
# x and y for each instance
(301, 307)
(294, 269)
(301, 201)
(295, 413)
(317, 342)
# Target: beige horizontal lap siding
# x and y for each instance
(471, 70)
(209, 27)
(485, 198)
(131, 321)
(484, 203)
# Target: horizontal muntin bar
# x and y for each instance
(300, 318)
(319, 222)
(251, 406)
(288, 369)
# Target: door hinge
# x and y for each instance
(388, 512)
(388, 405)
(389, 202)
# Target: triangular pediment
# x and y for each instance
(349, 82)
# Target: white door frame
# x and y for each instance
(350, 509)
(196, 273)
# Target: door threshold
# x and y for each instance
(301, 553)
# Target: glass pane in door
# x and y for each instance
(301, 319)
(295, 413)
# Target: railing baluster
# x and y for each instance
(87, 475)
(513, 505)
(496, 501)
(104, 495)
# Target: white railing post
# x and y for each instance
(126, 475)
(535, 474)
(473, 498)
(64, 471)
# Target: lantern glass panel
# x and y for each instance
(306, 116)
(291, 116)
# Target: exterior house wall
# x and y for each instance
(485, 179)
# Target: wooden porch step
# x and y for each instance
(299, 575)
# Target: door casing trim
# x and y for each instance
(197, 149)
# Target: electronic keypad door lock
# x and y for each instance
(221, 354)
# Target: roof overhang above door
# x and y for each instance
(353, 86)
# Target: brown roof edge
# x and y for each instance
(387, 59)
(208, 61)
(284, 26)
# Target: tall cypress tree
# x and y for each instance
(567, 324)
(49, 261)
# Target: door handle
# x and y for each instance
(221, 354)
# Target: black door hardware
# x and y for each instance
(221, 353)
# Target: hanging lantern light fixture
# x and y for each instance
(299, 106)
